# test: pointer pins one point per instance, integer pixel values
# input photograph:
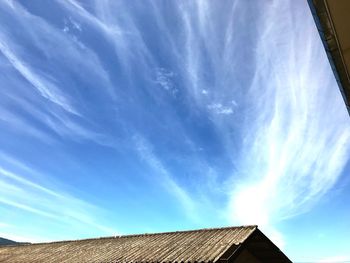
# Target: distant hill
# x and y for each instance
(4, 242)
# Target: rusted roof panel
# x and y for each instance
(205, 245)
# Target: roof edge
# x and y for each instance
(253, 227)
(235, 249)
(327, 32)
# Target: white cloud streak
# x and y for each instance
(218, 108)
(44, 87)
(67, 120)
(20, 125)
(124, 39)
(298, 145)
(32, 197)
(164, 177)
(164, 79)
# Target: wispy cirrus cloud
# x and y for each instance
(46, 89)
(164, 177)
(294, 133)
(53, 107)
(71, 54)
(299, 139)
(19, 125)
(27, 194)
(164, 79)
(220, 109)
(120, 31)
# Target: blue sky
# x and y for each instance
(123, 117)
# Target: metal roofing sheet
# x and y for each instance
(205, 245)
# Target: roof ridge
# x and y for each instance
(138, 235)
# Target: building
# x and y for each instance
(229, 244)
(333, 23)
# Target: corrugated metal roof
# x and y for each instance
(205, 245)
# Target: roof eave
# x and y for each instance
(327, 32)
